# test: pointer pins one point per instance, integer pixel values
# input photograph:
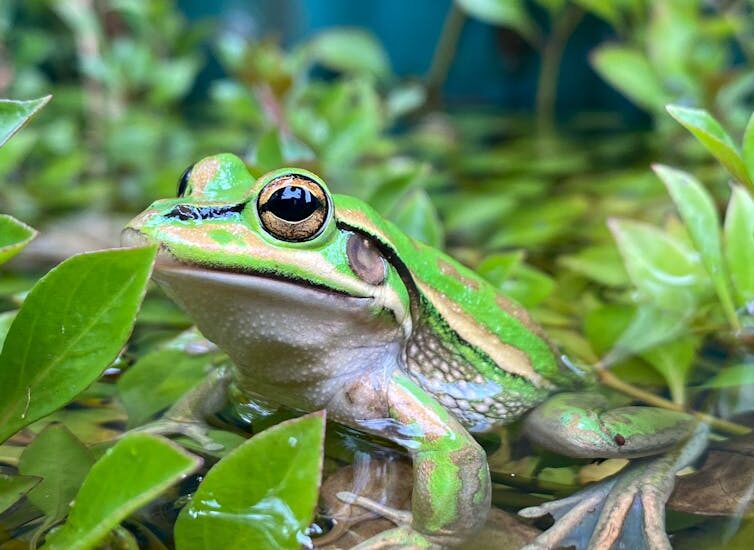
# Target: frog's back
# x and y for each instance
(475, 350)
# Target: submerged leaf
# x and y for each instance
(12, 488)
(130, 474)
(71, 326)
(261, 495)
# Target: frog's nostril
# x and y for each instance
(186, 212)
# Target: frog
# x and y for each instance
(321, 303)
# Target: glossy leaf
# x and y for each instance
(129, 475)
(262, 495)
(700, 217)
(739, 243)
(504, 13)
(350, 50)
(14, 114)
(717, 141)
(417, 216)
(629, 70)
(12, 488)
(666, 272)
(157, 380)
(71, 326)
(14, 236)
(62, 461)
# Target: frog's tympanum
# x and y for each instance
(323, 304)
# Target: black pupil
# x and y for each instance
(292, 203)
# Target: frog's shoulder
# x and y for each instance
(469, 304)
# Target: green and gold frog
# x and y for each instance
(321, 303)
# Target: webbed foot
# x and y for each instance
(625, 511)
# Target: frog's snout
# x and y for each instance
(133, 237)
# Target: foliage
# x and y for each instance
(650, 276)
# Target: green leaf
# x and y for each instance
(350, 51)
(268, 154)
(700, 217)
(62, 461)
(599, 263)
(157, 380)
(649, 327)
(15, 114)
(14, 236)
(129, 475)
(417, 216)
(673, 360)
(6, 319)
(71, 326)
(714, 138)
(497, 268)
(606, 9)
(732, 377)
(629, 70)
(12, 488)
(504, 13)
(739, 243)
(262, 495)
(667, 273)
(748, 147)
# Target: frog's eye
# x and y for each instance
(184, 181)
(293, 208)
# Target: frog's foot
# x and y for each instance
(196, 430)
(626, 511)
(403, 536)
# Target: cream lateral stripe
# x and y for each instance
(509, 358)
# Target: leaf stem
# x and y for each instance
(611, 381)
(445, 51)
(552, 53)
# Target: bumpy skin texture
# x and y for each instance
(424, 355)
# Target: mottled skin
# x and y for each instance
(392, 337)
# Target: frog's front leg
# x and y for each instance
(627, 510)
(188, 415)
(451, 492)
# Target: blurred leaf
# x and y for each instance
(528, 286)
(497, 268)
(12, 488)
(717, 141)
(262, 495)
(649, 327)
(417, 216)
(157, 380)
(601, 263)
(405, 99)
(350, 51)
(673, 360)
(628, 70)
(14, 236)
(130, 474)
(14, 114)
(268, 153)
(732, 377)
(606, 9)
(62, 461)
(6, 319)
(667, 273)
(748, 147)
(739, 243)
(700, 217)
(71, 326)
(504, 13)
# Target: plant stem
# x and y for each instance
(610, 380)
(445, 51)
(549, 69)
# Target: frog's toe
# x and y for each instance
(399, 517)
(627, 511)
